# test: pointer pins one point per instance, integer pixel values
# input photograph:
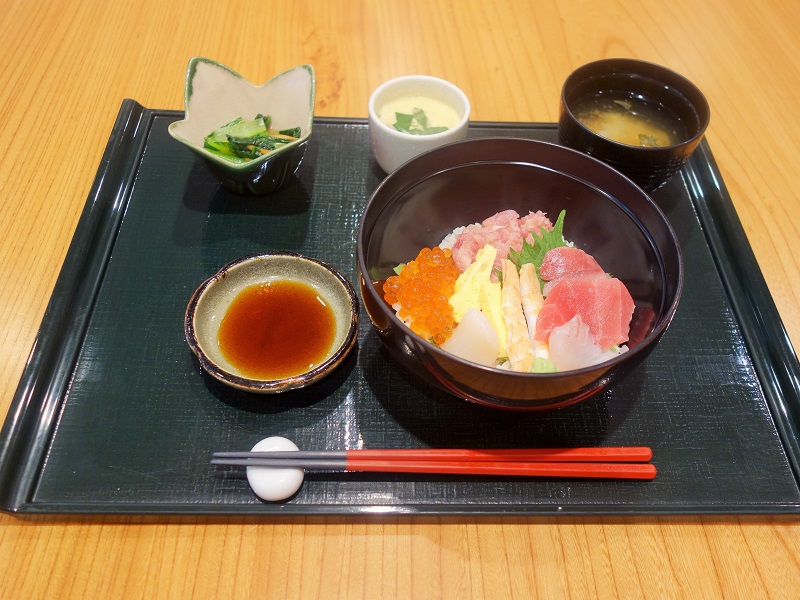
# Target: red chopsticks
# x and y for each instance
(621, 462)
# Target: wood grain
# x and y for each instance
(69, 64)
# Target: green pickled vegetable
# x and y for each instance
(240, 141)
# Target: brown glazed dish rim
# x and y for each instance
(271, 386)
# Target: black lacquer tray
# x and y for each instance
(113, 415)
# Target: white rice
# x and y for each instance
(450, 238)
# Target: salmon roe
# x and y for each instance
(422, 289)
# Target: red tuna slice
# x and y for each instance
(564, 260)
(602, 302)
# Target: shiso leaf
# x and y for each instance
(403, 121)
(415, 123)
(534, 253)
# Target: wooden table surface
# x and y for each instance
(67, 65)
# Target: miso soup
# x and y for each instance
(631, 119)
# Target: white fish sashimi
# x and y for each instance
(572, 346)
(474, 339)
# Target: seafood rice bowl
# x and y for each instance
(512, 293)
(515, 273)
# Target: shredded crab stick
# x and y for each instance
(532, 301)
(520, 347)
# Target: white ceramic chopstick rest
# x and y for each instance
(274, 484)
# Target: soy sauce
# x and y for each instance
(277, 329)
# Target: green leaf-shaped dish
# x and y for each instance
(215, 95)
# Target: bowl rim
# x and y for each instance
(632, 64)
(271, 385)
(642, 346)
(256, 162)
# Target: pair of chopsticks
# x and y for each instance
(620, 462)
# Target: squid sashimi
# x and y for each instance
(474, 339)
(519, 345)
(572, 346)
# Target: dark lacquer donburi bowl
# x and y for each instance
(606, 215)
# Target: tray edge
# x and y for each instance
(48, 370)
(771, 350)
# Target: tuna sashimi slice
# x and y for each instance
(563, 261)
(603, 303)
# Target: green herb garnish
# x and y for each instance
(534, 253)
(416, 123)
(649, 141)
(543, 365)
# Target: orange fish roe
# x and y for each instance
(422, 290)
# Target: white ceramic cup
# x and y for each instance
(391, 147)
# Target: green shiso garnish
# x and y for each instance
(534, 253)
(416, 123)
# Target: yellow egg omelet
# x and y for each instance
(475, 288)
